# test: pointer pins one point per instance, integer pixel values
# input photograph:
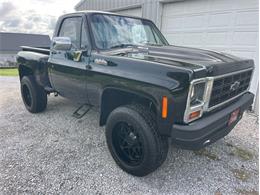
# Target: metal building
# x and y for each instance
(10, 44)
(222, 25)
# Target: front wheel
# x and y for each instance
(34, 96)
(133, 140)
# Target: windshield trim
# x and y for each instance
(153, 26)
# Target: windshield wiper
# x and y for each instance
(123, 45)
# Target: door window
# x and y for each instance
(74, 28)
(71, 27)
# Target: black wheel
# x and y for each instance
(34, 96)
(133, 140)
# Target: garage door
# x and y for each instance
(222, 25)
(131, 12)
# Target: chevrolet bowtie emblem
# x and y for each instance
(234, 86)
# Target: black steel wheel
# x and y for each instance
(128, 143)
(133, 140)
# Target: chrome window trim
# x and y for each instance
(204, 106)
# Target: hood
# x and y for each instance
(191, 55)
(214, 63)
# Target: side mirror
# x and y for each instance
(61, 43)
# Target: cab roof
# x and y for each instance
(99, 12)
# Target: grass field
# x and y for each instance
(8, 72)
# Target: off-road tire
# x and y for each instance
(33, 95)
(155, 146)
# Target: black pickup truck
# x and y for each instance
(147, 91)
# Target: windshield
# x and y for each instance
(111, 31)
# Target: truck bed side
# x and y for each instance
(34, 61)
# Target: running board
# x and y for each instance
(81, 111)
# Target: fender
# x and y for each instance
(129, 96)
(113, 97)
(35, 64)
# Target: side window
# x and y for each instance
(71, 27)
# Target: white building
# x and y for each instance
(221, 25)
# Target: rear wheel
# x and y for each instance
(34, 96)
(133, 140)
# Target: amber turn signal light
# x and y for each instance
(195, 114)
(164, 107)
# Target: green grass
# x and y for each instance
(8, 72)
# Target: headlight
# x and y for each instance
(197, 93)
(198, 98)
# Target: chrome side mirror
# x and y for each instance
(61, 43)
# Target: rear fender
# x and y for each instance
(36, 64)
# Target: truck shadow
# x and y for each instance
(217, 165)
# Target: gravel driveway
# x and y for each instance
(55, 153)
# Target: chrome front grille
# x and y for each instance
(229, 86)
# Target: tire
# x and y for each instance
(34, 96)
(133, 140)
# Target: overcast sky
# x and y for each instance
(32, 16)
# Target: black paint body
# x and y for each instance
(162, 71)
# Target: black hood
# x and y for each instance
(210, 62)
(192, 55)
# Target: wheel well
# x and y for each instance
(113, 98)
(24, 71)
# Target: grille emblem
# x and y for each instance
(234, 86)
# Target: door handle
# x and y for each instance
(53, 52)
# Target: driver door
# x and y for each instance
(68, 68)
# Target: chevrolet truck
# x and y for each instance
(147, 91)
